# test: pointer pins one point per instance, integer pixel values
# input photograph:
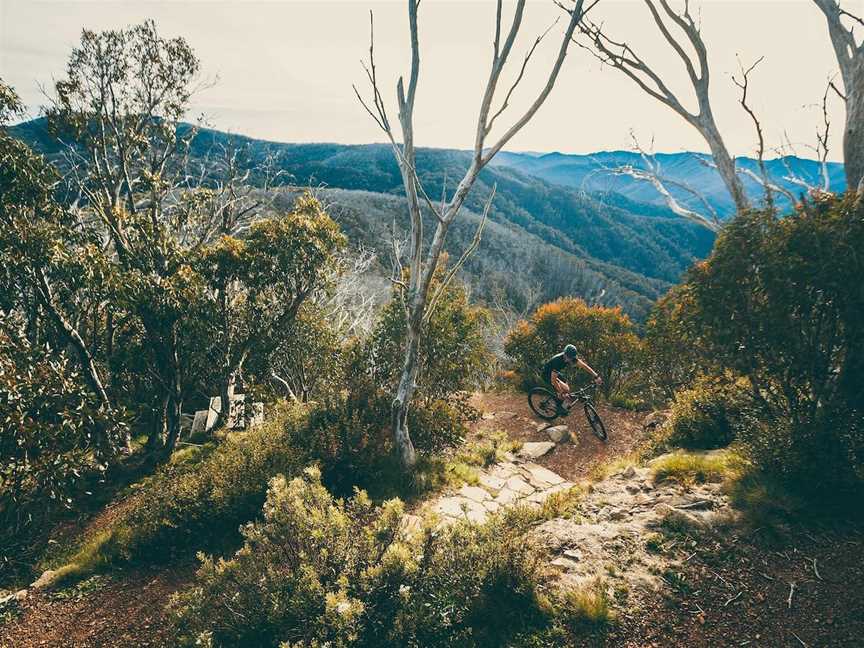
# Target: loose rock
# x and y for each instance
(558, 433)
(535, 450)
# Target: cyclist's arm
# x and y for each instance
(584, 365)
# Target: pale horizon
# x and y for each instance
(284, 70)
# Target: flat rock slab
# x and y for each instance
(474, 493)
(541, 477)
(519, 485)
(450, 507)
(491, 483)
(535, 449)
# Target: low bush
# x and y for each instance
(194, 503)
(319, 571)
(605, 336)
(706, 416)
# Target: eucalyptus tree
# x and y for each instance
(414, 278)
(119, 106)
(44, 279)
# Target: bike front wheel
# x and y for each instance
(595, 422)
(543, 403)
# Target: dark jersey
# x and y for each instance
(556, 363)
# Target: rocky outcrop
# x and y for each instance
(516, 481)
(619, 519)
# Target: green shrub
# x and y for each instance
(195, 504)
(780, 301)
(320, 571)
(706, 416)
(50, 428)
(605, 336)
(350, 438)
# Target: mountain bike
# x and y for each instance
(546, 404)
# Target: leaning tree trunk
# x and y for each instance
(853, 135)
(850, 59)
(725, 164)
(87, 361)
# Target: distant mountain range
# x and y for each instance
(556, 227)
(593, 173)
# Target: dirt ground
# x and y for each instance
(124, 610)
(509, 412)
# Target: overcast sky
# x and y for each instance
(284, 69)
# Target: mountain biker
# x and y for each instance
(552, 370)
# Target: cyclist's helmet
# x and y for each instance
(570, 352)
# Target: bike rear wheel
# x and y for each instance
(595, 422)
(543, 403)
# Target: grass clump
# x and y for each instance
(689, 468)
(564, 503)
(588, 604)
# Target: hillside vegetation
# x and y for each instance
(564, 241)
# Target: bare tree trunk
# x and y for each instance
(850, 58)
(853, 134)
(693, 53)
(404, 393)
(725, 164)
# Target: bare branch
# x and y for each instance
(622, 57)
(519, 77)
(472, 247)
(744, 84)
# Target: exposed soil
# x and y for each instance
(735, 591)
(509, 412)
(126, 609)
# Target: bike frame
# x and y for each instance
(579, 396)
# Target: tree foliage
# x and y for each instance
(605, 338)
(780, 302)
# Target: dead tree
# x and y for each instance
(415, 283)
(850, 58)
(621, 56)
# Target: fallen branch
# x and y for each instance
(801, 641)
(734, 598)
(815, 569)
(696, 505)
(791, 594)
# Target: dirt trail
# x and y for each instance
(509, 412)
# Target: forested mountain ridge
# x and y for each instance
(562, 241)
(594, 172)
